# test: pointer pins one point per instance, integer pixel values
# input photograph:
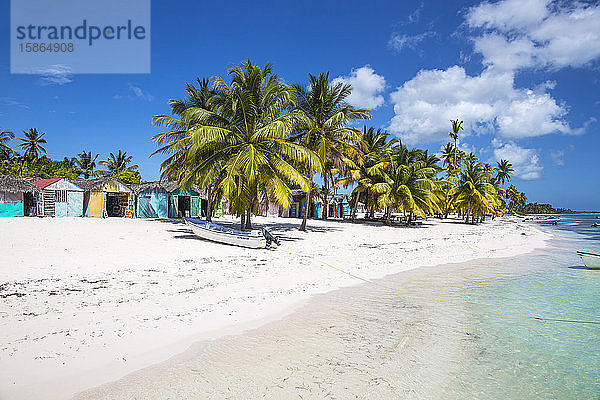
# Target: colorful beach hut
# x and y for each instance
(106, 197)
(17, 197)
(167, 199)
(298, 206)
(267, 207)
(339, 206)
(59, 198)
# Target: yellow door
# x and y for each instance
(96, 204)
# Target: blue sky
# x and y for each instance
(523, 75)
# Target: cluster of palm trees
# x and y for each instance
(516, 200)
(85, 164)
(254, 137)
(257, 137)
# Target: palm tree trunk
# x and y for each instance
(325, 197)
(243, 221)
(354, 207)
(388, 219)
(468, 212)
(455, 154)
(306, 210)
(248, 216)
(372, 206)
(209, 208)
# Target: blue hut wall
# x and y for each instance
(153, 203)
(11, 204)
(11, 210)
(73, 207)
(60, 209)
(74, 204)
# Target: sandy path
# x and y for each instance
(86, 301)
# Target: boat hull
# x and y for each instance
(591, 260)
(252, 241)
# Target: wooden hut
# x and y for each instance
(106, 197)
(298, 206)
(168, 200)
(267, 207)
(339, 206)
(17, 197)
(59, 198)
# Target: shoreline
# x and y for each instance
(256, 306)
(264, 347)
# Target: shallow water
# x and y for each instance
(517, 356)
(453, 332)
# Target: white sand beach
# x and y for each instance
(86, 301)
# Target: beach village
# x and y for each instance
(109, 197)
(101, 277)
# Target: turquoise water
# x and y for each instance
(519, 357)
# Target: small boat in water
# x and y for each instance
(591, 260)
(256, 239)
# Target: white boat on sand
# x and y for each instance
(255, 239)
(591, 260)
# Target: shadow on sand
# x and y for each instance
(578, 267)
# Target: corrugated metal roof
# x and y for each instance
(42, 183)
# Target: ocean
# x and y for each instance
(537, 322)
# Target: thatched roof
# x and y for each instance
(14, 184)
(299, 194)
(167, 186)
(91, 184)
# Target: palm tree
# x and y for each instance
(325, 130)
(470, 158)
(447, 155)
(32, 143)
(119, 163)
(474, 192)
(407, 187)
(522, 200)
(177, 140)
(85, 164)
(242, 140)
(456, 128)
(504, 171)
(430, 160)
(5, 150)
(512, 194)
(366, 166)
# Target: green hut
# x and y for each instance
(17, 197)
(167, 199)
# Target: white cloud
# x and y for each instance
(367, 87)
(399, 42)
(139, 93)
(12, 102)
(508, 14)
(488, 102)
(558, 156)
(526, 162)
(56, 75)
(415, 15)
(510, 35)
(536, 33)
